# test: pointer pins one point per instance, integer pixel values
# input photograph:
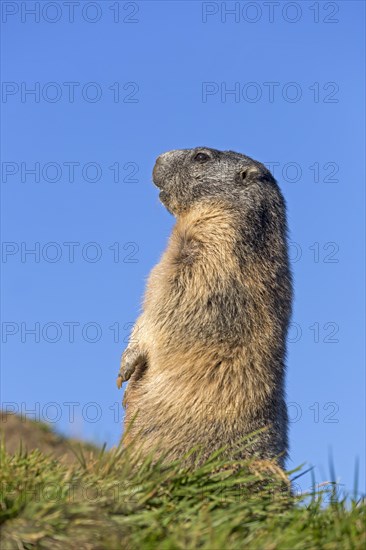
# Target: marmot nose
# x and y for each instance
(158, 172)
(161, 165)
(159, 161)
(163, 157)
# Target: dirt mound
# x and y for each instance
(19, 432)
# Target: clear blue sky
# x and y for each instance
(297, 73)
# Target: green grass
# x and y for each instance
(107, 502)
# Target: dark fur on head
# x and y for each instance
(189, 175)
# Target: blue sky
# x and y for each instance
(108, 97)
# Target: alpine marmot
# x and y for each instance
(206, 359)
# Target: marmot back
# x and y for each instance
(206, 356)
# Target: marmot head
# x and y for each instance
(188, 176)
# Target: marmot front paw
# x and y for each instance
(129, 361)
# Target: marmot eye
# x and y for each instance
(201, 157)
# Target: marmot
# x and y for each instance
(206, 359)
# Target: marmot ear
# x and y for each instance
(247, 173)
(243, 174)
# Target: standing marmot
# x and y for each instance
(206, 357)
